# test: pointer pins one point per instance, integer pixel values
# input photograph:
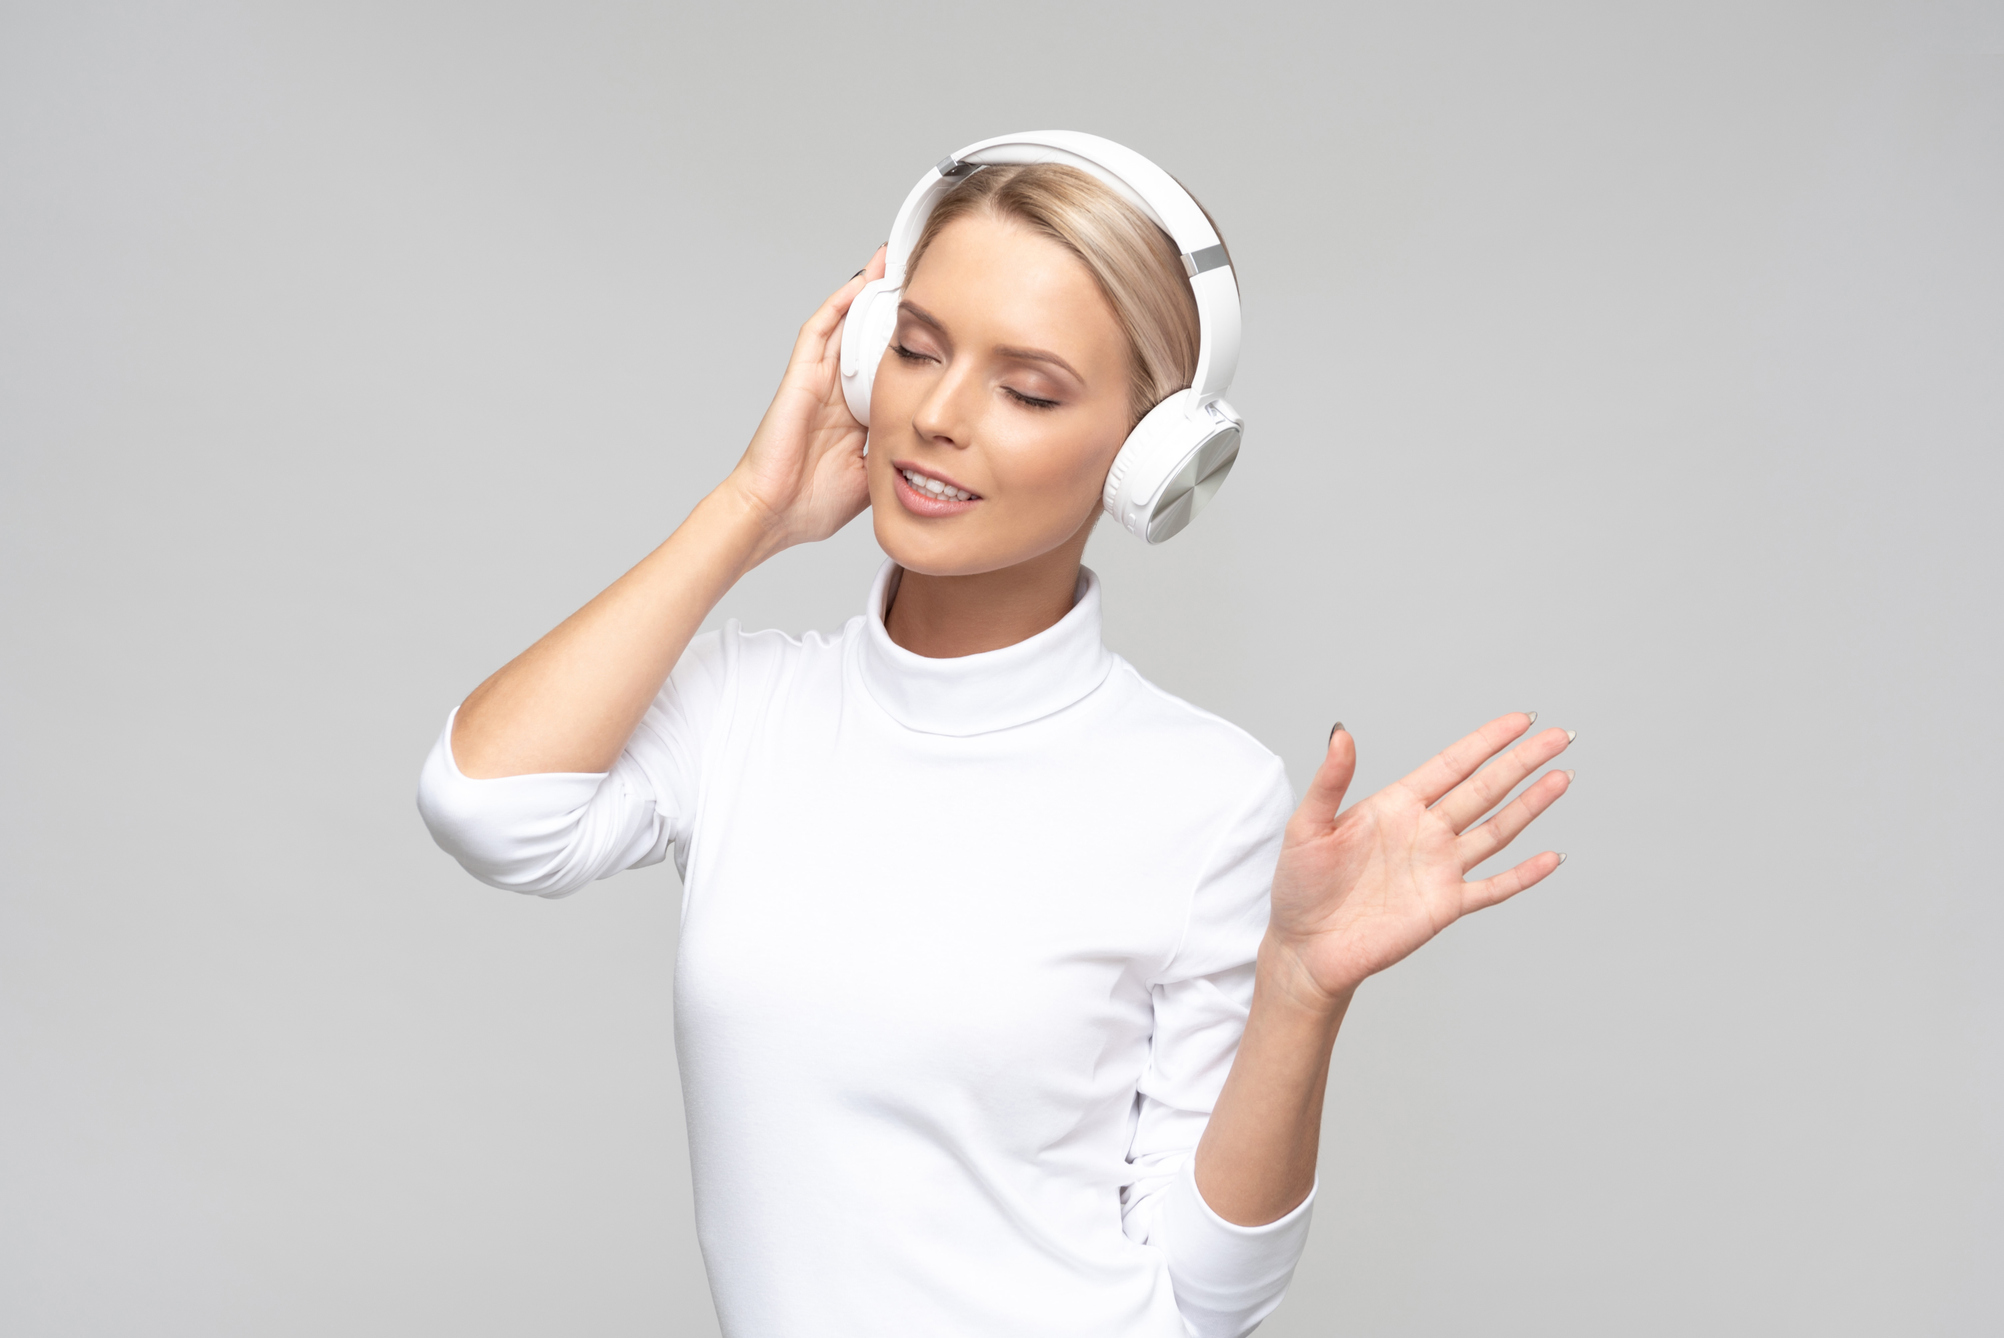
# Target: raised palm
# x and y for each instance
(1357, 890)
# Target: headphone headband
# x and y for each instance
(1135, 179)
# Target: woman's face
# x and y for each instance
(1006, 382)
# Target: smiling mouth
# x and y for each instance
(927, 486)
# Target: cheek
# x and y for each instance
(1054, 458)
(889, 429)
(892, 390)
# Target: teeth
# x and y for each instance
(934, 486)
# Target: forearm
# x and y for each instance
(569, 702)
(1256, 1160)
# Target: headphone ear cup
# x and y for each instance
(1172, 464)
(866, 333)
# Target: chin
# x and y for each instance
(935, 550)
(955, 548)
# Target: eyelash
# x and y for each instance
(1028, 401)
(1031, 401)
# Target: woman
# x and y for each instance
(1007, 984)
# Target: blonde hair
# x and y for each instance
(1134, 262)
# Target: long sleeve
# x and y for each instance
(1227, 1278)
(552, 833)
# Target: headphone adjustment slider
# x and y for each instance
(1210, 257)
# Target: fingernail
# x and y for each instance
(859, 271)
(1562, 857)
(1533, 715)
(1332, 730)
(1569, 777)
(1572, 734)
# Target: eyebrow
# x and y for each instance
(925, 317)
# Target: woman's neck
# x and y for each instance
(945, 617)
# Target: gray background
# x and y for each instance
(1637, 364)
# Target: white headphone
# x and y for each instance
(1175, 459)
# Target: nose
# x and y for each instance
(945, 414)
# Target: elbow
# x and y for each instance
(1227, 1278)
(513, 833)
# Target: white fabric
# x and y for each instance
(967, 948)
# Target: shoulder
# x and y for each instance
(756, 662)
(732, 649)
(1193, 766)
(727, 670)
(1186, 736)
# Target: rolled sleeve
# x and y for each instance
(1227, 1277)
(547, 834)
(551, 833)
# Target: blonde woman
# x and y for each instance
(1007, 982)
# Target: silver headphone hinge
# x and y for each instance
(1210, 257)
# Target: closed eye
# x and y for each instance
(1031, 400)
(1027, 401)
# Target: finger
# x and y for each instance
(820, 339)
(814, 335)
(1487, 892)
(1450, 768)
(1325, 791)
(1481, 842)
(876, 261)
(1486, 788)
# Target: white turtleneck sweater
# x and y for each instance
(967, 948)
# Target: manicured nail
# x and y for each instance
(1562, 858)
(1572, 734)
(1533, 715)
(1332, 730)
(858, 272)
(1569, 777)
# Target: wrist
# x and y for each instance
(1282, 977)
(753, 529)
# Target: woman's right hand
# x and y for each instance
(803, 472)
(569, 702)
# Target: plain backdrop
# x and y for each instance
(1638, 364)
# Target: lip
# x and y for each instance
(932, 473)
(921, 503)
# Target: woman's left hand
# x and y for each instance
(1356, 891)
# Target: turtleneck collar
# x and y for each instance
(997, 689)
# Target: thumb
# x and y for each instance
(1325, 792)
